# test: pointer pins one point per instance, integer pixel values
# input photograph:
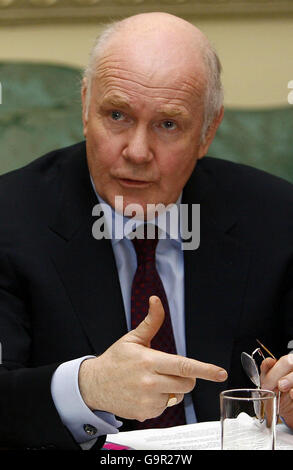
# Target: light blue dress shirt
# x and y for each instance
(170, 265)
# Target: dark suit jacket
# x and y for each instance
(60, 295)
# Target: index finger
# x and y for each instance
(171, 364)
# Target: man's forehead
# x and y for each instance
(157, 58)
(121, 84)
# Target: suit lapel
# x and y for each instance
(86, 266)
(215, 279)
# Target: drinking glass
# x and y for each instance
(248, 418)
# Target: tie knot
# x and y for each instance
(146, 247)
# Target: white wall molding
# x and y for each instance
(38, 11)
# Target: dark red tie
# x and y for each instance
(146, 283)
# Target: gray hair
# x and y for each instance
(95, 55)
(214, 94)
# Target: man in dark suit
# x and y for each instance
(71, 360)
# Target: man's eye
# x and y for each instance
(169, 125)
(117, 115)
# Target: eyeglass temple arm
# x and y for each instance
(259, 351)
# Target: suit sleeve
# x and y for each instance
(29, 419)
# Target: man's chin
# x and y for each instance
(138, 207)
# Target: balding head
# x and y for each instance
(148, 28)
(162, 41)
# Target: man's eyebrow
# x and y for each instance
(173, 111)
(168, 111)
(115, 101)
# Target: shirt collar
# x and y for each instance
(171, 230)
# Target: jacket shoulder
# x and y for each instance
(38, 174)
(34, 191)
(43, 164)
(238, 178)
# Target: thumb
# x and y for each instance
(148, 328)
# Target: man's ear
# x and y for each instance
(210, 134)
(84, 105)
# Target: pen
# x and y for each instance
(266, 349)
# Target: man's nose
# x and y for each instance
(138, 148)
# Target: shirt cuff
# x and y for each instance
(83, 424)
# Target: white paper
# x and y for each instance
(198, 436)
